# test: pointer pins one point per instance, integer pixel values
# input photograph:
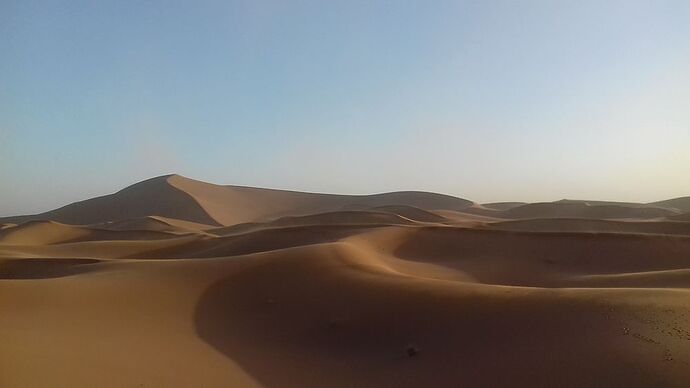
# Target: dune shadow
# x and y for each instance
(288, 323)
(262, 240)
(44, 268)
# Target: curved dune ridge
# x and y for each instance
(154, 223)
(175, 283)
(319, 219)
(412, 213)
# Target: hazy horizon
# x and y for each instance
(489, 101)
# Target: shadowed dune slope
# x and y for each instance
(260, 240)
(362, 218)
(43, 268)
(343, 218)
(351, 316)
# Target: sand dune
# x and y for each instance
(177, 283)
(50, 232)
(343, 218)
(181, 198)
(412, 213)
(154, 223)
(682, 204)
(235, 204)
(261, 240)
(584, 210)
(319, 219)
(603, 203)
(594, 226)
(503, 205)
(680, 217)
(477, 335)
(30, 268)
(471, 218)
(153, 197)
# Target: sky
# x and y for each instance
(485, 100)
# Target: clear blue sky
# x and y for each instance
(487, 100)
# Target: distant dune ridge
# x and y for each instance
(174, 282)
(179, 198)
(682, 204)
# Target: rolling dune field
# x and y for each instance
(174, 282)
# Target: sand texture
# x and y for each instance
(173, 282)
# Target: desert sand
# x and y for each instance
(174, 282)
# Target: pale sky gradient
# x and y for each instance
(486, 100)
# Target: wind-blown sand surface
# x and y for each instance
(178, 283)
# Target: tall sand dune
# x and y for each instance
(185, 199)
(153, 197)
(236, 204)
